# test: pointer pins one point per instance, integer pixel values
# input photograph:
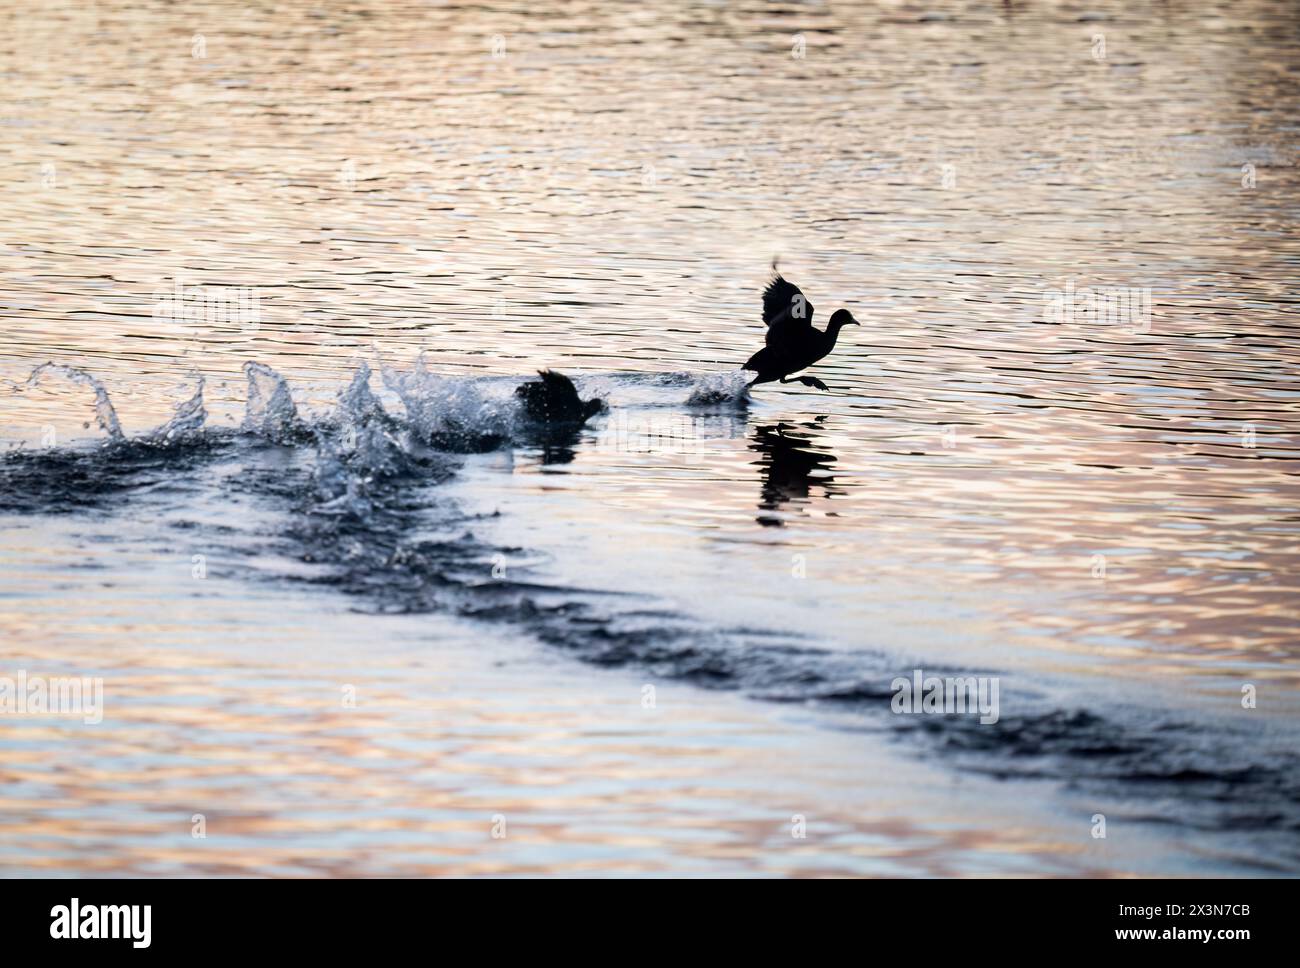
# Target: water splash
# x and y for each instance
(357, 448)
(720, 388)
(186, 420)
(105, 415)
(356, 401)
(461, 414)
(270, 411)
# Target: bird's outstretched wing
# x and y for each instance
(786, 312)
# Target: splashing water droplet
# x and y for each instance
(270, 410)
(105, 415)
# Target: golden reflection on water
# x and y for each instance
(606, 195)
(410, 782)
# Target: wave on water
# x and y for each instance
(359, 510)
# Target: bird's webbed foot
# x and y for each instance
(812, 381)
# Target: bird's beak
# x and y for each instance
(853, 322)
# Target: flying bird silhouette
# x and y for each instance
(792, 342)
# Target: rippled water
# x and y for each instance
(230, 233)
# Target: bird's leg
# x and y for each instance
(808, 381)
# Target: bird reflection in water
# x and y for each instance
(558, 444)
(790, 467)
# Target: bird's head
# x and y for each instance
(842, 317)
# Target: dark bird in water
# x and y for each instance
(792, 343)
(554, 401)
(554, 415)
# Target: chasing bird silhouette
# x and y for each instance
(554, 415)
(554, 400)
(792, 342)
